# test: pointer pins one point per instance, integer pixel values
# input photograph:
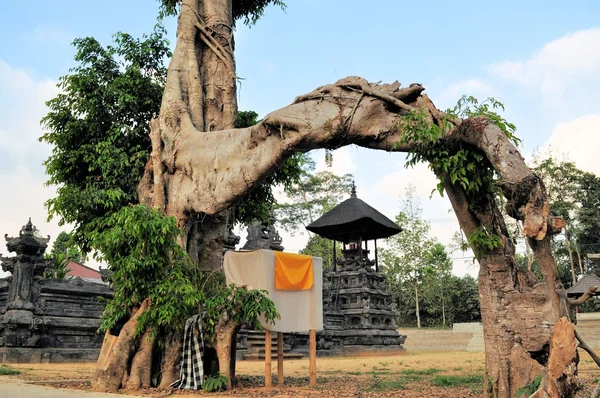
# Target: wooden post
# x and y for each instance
(360, 249)
(268, 360)
(334, 256)
(376, 259)
(280, 359)
(313, 357)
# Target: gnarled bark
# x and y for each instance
(140, 375)
(225, 333)
(170, 362)
(205, 166)
(109, 375)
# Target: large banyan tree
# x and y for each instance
(201, 165)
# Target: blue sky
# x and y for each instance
(542, 58)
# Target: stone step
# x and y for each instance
(261, 356)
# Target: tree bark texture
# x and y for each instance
(140, 375)
(171, 360)
(224, 342)
(205, 166)
(109, 375)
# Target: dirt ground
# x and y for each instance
(431, 374)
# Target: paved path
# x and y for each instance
(11, 388)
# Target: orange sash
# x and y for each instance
(293, 271)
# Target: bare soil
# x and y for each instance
(410, 375)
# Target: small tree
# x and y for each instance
(406, 259)
(58, 269)
(314, 194)
(65, 245)
(321, 247)
(437, 279)
(156, 287)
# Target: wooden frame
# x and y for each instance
(312, 357)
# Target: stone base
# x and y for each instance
(355, 351)
(351, 342)
(47, 355)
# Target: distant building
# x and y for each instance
(77, 270)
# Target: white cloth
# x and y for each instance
(300, 310)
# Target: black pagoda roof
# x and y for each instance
(351, 219)
(587, 281)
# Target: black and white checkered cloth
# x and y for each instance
(192, 352)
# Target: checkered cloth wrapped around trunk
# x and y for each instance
(192, 352)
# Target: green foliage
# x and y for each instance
(215, 383)
(239, 304)
(575, 196)
(406, 259)
(140, 246)
(65, 244)
(472, 380)
(248, 10)
(142, 251)
(8, 371)
(421, 372)
(98, 128)
(312, 195)
(469, 106)
(59, 269)
(320, 247)
(376, 383)
(461, 163)
(529, 388)
(483, 242)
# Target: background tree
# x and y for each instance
(406, 259)
(436, 286)
(98, 128)
(314, 194)
(320, 247)
(65, 245)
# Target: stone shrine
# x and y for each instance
(359, 313)
(42, 319)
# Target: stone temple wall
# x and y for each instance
(60, 326)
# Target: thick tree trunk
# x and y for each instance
(109, 376)
(225, 332)
(140, 375)
(203, 174)
(170, 362)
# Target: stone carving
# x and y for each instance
(263, 235)
(46, 319)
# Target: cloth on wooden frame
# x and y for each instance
(300, 310)
(191, 374)
(293, 271)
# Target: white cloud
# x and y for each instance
(396, 183)
(577, 140)
(22, 105)
(561, 63)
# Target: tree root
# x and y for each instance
(109, 376)
(170, 363)
(141, 367)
